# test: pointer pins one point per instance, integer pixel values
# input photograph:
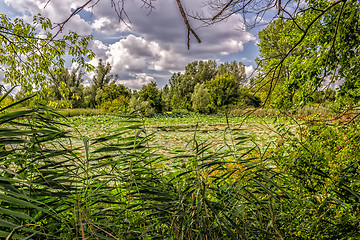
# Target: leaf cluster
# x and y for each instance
(28, 52)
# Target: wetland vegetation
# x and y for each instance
(212, 155)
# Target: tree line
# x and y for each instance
(204, 87)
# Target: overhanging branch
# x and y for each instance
(187, 24)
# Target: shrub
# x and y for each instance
(323, 166)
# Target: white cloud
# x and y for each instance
(164, 25)
(107, 26)
(131, 54)
(56, 11)
(139, 80)
(99, 48)
(170, 61)
(135, 54)
(249, 71)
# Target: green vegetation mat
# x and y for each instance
(174, 134)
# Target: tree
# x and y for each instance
(275, 42)
(325, 29)
(182, 85)
(113, 97)
(67, 87)
(317, 48)
(102, 78)
(201, 99)
(326, 96)
(223, 90)
(180, 91)
(323, 32)
(143, 107)
(150, 93)
(64, 90)
(28, 52)
(234, 69)
(165, 98)
(348, 95)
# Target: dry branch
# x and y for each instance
(186, 21)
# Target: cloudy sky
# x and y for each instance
(153, 45)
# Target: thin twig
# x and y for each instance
(222, 10)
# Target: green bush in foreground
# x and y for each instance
(322, 164)
(118, 187)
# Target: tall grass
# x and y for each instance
(119, 187)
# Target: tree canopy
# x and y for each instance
(310, 51)
(29, 52)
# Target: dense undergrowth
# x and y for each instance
(306, 186)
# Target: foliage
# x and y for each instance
(323, 166)
(348, 95)
(100, 80)
(182, 85)
(66, 90)
(118, 186)
(8, 100)
(247, 98)
(81, 112)
(165, 98)
(234, 69)
(119, 105)
(150, 93)
(300, 55)
(201, 99)
(142, 107)
(29, 51)
(327, 96)
(276, 41)
(147, 101)
(223, 90)
(51, 190)
(66, 87)
(113, 97)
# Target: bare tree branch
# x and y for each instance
(77, 10)
(118, 5)
(223, 10)
(279, 7)
(186, 21)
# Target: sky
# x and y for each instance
(152, 45)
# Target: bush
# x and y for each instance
(248, 99)
(119, 105)
(323, 166)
